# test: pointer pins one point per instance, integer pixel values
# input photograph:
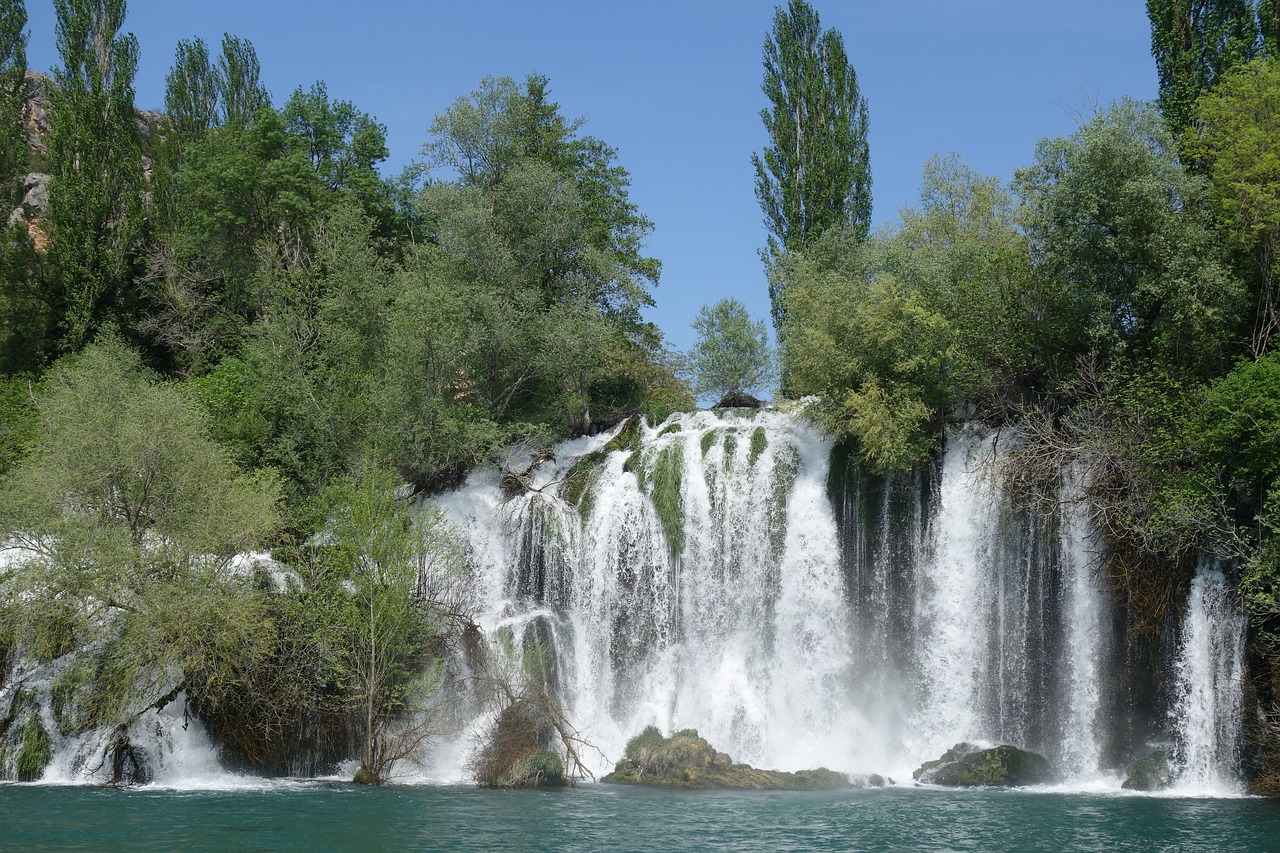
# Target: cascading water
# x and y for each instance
(701, 587)
(734, 572)
(1209, 678)
(720, 575)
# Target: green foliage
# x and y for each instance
(546, 768)
(816, 173)
(876, 353)
(130, 515)
(1196, 42)
(238, 193)
(192, 91)
(241, 92)
(398, 564)
(557, 203)
(641, 747)
(731, 356)
(35, 753)
(1014, 333)
(343, 146)
(95, 153)
(18, 419)
(1112, 218)
(13, 91)
(1237, 124)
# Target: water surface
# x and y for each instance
(332, 816)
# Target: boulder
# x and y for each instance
(966, 765)
(1151, 770)
(686, 760)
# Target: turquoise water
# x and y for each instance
(338, 817)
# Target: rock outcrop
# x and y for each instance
(966, 766)
(686, 760)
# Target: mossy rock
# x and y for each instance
(581, 477)
(668, 478)
(670, 428)
(708, 441)
(759, 443)
(686, 760)
(969, 766)
(627, 438)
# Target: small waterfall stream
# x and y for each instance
(1210, 684)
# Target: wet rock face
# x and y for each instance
(966, 765)
(686, 760)
(1152, 770)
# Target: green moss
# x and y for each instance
(730, 445)
(637, 463)
(582, 476)
(668, 477)
(628, 438)
(759, 441)
(675, 426)
(709, 439)
(35, 753)
(364, 776)
(786, 466)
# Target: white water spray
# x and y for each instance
(1210, 673)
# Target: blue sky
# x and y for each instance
(674, 85)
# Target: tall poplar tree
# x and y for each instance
(816, 173)
(95, 155)
(13, 71)
(1196, 42)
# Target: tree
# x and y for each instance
(13, 70)
(95, 156)
(731, 357)
(192, 91)
(816, 173)
(1238, 124)
(401, 567)
(343, 146)
(560, 203)
(241, 90)
(1113, 218)
(878, 356)
(1196, 42)
(127, 517)
(539, 229)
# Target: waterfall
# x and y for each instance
(722, 574)
(734, 572)
(699, 582)
(1209, 677)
